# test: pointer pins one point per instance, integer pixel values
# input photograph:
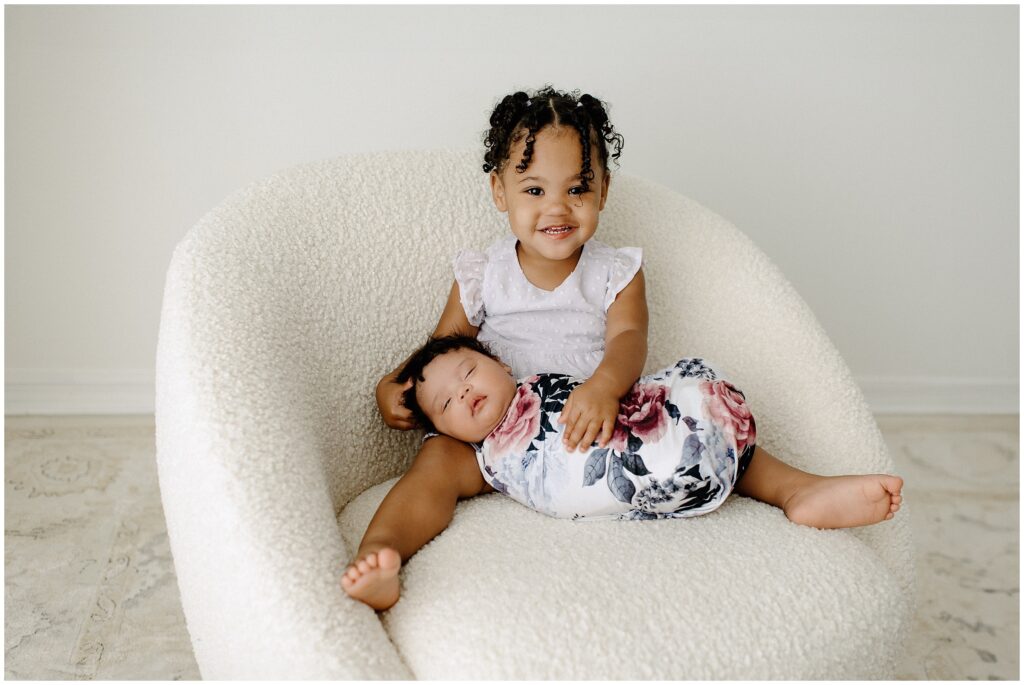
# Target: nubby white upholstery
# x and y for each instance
(286, 303)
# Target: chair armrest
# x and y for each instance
(252, 530)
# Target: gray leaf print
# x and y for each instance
(634, 464)
(621, 487)
(593, 470)
(692, 450)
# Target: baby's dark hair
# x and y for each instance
(521, 114)
(433, 348)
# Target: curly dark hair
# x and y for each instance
(413, 368)
(522, 115)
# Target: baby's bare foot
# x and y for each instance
(373, 578)
(845, 501)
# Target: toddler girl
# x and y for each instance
(548, 298)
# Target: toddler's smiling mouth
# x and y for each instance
(557, 230)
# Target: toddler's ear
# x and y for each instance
(498, 192)
(604, 189)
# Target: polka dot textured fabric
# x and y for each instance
(541, 331)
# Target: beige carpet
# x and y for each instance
(90, 591)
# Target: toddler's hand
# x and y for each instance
(591, 409)
(389, 402)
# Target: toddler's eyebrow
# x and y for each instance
(541, 178)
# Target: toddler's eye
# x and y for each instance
(529, 191)
(578, 190)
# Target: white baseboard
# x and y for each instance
(69, 391)
(890, 395)
(54, 391)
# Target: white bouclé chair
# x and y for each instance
(284, 306)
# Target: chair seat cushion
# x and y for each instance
(741, 593)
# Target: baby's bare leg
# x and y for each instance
(821, 501)
(419, 506)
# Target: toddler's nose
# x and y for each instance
(559, 206)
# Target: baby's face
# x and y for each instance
(465, 394)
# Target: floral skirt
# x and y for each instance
(683, 438)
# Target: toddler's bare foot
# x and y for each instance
(373, 578)
(845, 501)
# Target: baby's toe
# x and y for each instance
(371, 559)
(363, 566)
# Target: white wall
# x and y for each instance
(871, 151)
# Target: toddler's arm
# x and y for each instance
(389, 392)
(593, 406)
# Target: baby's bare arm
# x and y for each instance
(421, 504)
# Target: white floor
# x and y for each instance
(90, 591)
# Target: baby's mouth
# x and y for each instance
(476, 404)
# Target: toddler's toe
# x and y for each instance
(389, 560)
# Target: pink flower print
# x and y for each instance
(729, 410)
(642, 413)
(521, 423)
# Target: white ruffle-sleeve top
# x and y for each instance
(539, 331)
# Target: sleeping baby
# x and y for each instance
(682, 439)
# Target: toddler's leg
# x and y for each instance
(821, 501)
(419, 506)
